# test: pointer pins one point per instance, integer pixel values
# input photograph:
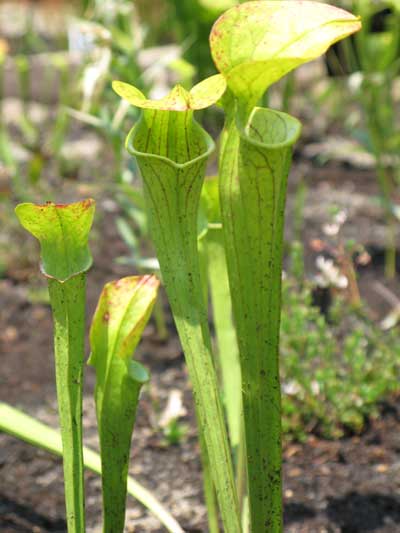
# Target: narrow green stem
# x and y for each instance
(159, 318)
(68, 306)
(378, 140)
(289, 89)
(210, 496)
(390, 252)
(253, 173)
(391, 223)
(208, 488)
(241, 470)
(228, 356)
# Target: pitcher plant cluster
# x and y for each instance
(218, 239)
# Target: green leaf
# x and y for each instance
(256, 43)
(122, 313)
(202, 95)
(63, 232)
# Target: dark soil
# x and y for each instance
(349, 486)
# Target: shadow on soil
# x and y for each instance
(22, 517)
(297, 512)
(359, 513)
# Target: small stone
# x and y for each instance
(10, 334)
(381, 468)
(294, 472)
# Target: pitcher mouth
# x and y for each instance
(269, 129)
(208, 141)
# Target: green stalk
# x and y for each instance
(122, 313)
(171, 150)
(208, 485)
(254, 167)
(68, 307)
(63, 232)
(160, 320)
(208, 488)
(377, 136)
(228, 357)
(212, 243)
(391, 222)
(25, 427)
